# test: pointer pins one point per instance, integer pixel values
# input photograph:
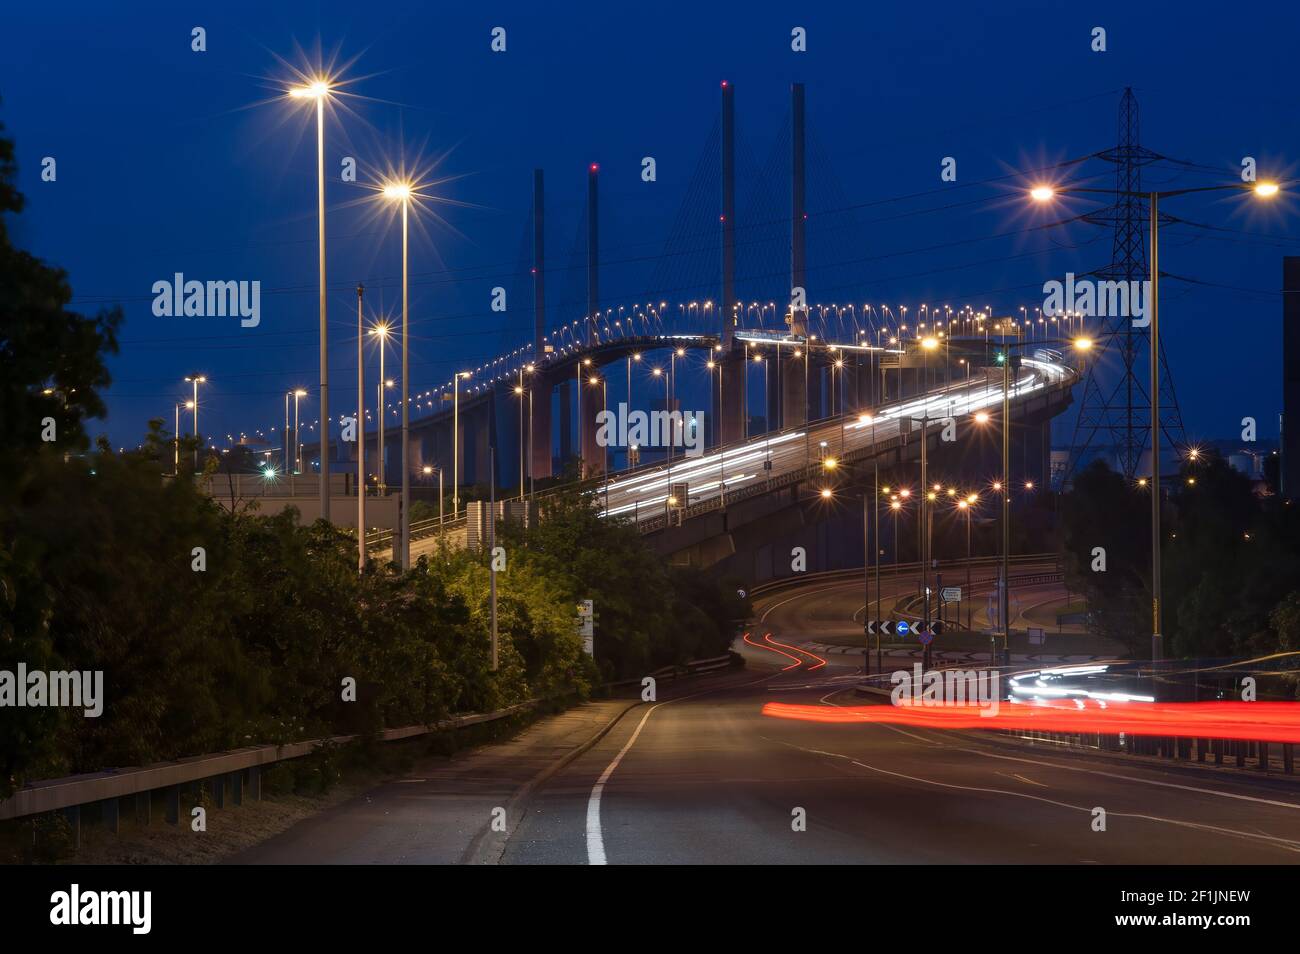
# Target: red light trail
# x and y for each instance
(1242, 721)
(771, 646)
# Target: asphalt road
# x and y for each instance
(702, 776)
(706, 778)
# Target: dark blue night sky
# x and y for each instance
(171, 161)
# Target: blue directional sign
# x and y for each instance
(901, 627)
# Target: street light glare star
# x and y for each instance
(398, 191)
(316, 89)
(1266, 190)
(1042, 193)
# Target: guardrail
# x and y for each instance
(693, 668)
(829, 576)
(383, 539)
(1176, 749)
(239, 770)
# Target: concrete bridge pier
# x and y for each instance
(541, 387)
(566, 420)
(593, 455)
(730, 408)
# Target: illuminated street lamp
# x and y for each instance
(869, 420)
(361, 436)
(318, 91)
(455, 442)
(428, 470)
(399, 191)
(196, 380)
(380, 331)
(1045, 193)
(176, 434)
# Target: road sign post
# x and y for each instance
(586, 628)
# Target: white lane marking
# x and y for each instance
(1112, 775)
(1021, 778)
(1134, 778)
(886, 725)
(1287, 843)
(595, 838)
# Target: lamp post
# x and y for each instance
(875, 497)
(927, 345)
(1045, 193)
(429, 469)
(710, 364)
(604, 451)
(519, 392)
(628, 361)
(672, 382)
(401, 192)
(319, 91)
(196, 380)
(297, 458)
(1004, 485)
(176, 434)
(532, 478)
(659, 373)
(455, 442)
(361, 436)
(967, 506)
(284, 451)
(380, 331)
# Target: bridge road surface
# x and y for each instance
(642, 495)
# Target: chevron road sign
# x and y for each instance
(901, 627)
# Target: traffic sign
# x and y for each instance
(585, 619)
(951, 594)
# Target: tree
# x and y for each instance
(1103, 510)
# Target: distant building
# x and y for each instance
(1058, 463)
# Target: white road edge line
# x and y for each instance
(595, 838)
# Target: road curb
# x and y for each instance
(479, 851)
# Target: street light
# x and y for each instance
(1045, 193)
(400, 191)
(318, 90)
(967, 505)
(429, 469)
(380, 331)
(1007, 361)
(361, 436)
(196, 380)
(296, 393)
(604, 451)
(455, 442)
(519, 393)
(176, 434)
(869, 420)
